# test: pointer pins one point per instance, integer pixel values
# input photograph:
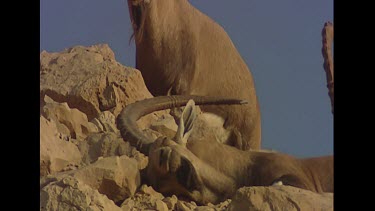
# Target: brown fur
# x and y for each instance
(182, 49)
(207, 171)
(216, 171)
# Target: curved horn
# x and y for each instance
(126, 120)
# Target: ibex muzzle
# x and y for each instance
(178, 48)
(208, 171)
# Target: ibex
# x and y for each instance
(181, 50)
(208, 171)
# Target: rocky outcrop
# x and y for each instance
(279, 198)
(86, 165)
(56, 153)
(116, 177)
(70, 194)
(71, 122)
(90, 80)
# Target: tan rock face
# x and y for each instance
(56, 154)
(279, 198)
(71, 194)
(90, 79)
(108, 144)
(145, 198)
(72, 122)
(103, 145)
(106, 121)
(116, 177)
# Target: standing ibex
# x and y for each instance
(208, 171)
(180, 49)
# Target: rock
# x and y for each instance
(184, 206)
(108, 144)
(71, 194)
(223, 205)
(71, 122)
(170, 202)
(140, 158)
(204, 208)
(106, 121)
(56, 154)
(91, 80)
(145, 199)
(150, 191)
(279, 198)
(160, 205)
(165, 125)
(116, 177)
(103, 145)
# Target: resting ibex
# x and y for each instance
(178, 48)
(208, 171)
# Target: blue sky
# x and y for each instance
(279, 40)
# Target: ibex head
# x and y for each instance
(173, 168)
(149, 14)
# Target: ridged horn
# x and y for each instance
(126, 120)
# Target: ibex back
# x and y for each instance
(208, 171)
(178, 48)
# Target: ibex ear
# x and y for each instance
(186, 123)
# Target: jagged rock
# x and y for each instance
(106, 122)
(103, 145)
(116, 177)
(279, 198)
(56, 154)
(91, 80)
(141, 159)
(204, 208)
(108, 144)
(71, 122)
(170, 202)
(223, 205)
(145, 198)
(160, 205)
(71, 194)
(185, 206)
(165, 125)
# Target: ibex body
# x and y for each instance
(208, 171)
(180, 49)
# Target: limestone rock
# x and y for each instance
(223, 205)
(279, 198)
(103, 145)
(106, 121)
(108, 144)
(116, 177)
(71, 194)
(91, 80)
(185, 206)
(165, 125)
(56, 154)
(71, 122)
(146, 198)
(204, 208)
(170, 202)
